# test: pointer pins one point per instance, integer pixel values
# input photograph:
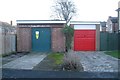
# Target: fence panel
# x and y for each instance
(108, 41)
(7, 40)
(118, 41)
(13, 42)
(112, 41)
(103, 40)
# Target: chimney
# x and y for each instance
(11, 23)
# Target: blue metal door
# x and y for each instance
(41, 39)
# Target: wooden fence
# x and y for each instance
(7, 38)
(109, 41)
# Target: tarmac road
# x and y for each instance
(14, 73)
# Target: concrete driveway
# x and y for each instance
(98, 61)
(26, 62)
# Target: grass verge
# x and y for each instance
(57, 57)
(53, 62)
(115, 54)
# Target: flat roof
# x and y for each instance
(84, 22)
(40, 21)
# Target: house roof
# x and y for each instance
(114, 19)
(5, 24)
(103, 24)
(118, 9)
(84, 22)
(40, 21)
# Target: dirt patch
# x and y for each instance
(47, 64)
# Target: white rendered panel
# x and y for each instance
(84, 27)
(31, 22)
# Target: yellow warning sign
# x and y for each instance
(37, 34)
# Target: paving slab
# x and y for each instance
(26, 62)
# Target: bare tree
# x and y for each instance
(64, 9)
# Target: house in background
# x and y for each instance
(112, 25)
(103, 26)
(118, 10)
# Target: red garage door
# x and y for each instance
(84, 40)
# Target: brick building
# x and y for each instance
(40, 36)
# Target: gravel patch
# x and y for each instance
(98, 62)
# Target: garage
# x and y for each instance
(40, 36)
(86, 35)
(41, 39)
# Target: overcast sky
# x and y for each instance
(88, 10)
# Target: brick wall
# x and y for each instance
(58, 40)
(23, 39)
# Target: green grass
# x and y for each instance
(57, 57)
(115, 54)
